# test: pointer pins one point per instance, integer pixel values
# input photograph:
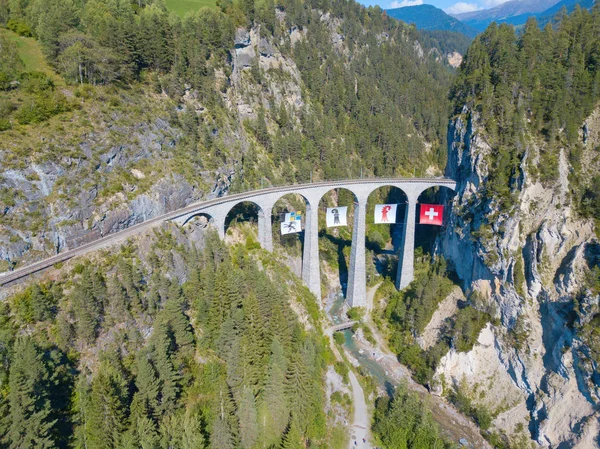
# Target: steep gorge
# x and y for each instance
(530, 267)
(522, 241)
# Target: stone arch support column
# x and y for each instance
(406, 262)
(265, 232)
(219, 224)
(356, 294)
(311, 269)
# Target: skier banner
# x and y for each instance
(431, 214)
(336, 216)
(290, 227)
(292, 223)
(385, 213)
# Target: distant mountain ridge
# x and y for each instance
(429, 18)
(568, 4)
(516, 12)
(504, 10)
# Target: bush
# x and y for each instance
(342, 370)
(354, 314)
(41, 107)
(339, 338)
(5, 80)
(20, 27)
(36, 82)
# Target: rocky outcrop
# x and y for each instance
(280, 81)
(529, 265)
(58, 204)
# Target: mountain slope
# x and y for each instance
(524, 235)
(428, 17)
(211, 107)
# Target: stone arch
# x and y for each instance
(443, 192)
(202, 218)
(280, 196)
(374, 188)
(246, 209)
(300, 203)
(334, 239)
(437, 194)
(426, 235)
(385, 242)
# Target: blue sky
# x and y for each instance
(451, 6)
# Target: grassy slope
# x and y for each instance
(183, 6)
(32, 56)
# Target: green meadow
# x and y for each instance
(31, 54)
(183, 6)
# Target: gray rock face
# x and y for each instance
(265, 48)
(242, 38)
(48, 212)
(544, 380)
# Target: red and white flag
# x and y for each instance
(431, 214)
(385, 213)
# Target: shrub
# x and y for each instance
(36, 82)
(339, 338)
(20, 27)
(354, 314)
(41, 107)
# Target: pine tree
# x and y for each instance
(247, 415)
(81, 407)
(191, 436)
(176, 319)
(29, 404)
(183, 431)
(148, 384)
(106, 408)
(132, 282)
(224, 427)
(169, 377)
(117, 298)
(147, 434)
(293, 437)
(274, 410)
(221, 436)
(42, 303)
(87, 298)
(298, 388)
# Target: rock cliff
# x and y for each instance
(533, 366)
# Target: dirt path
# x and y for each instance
(361, 423)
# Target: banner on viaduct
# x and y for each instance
(217, 210)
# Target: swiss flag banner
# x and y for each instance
(431, 214)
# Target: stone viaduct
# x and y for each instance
(217, 210)
(265, 200)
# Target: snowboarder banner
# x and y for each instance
(290, 227)
(293, 216)
(385, 213)
(336, 216)
(431, 214)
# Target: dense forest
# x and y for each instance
(125, 354)
(363, 105)
(540, 83)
